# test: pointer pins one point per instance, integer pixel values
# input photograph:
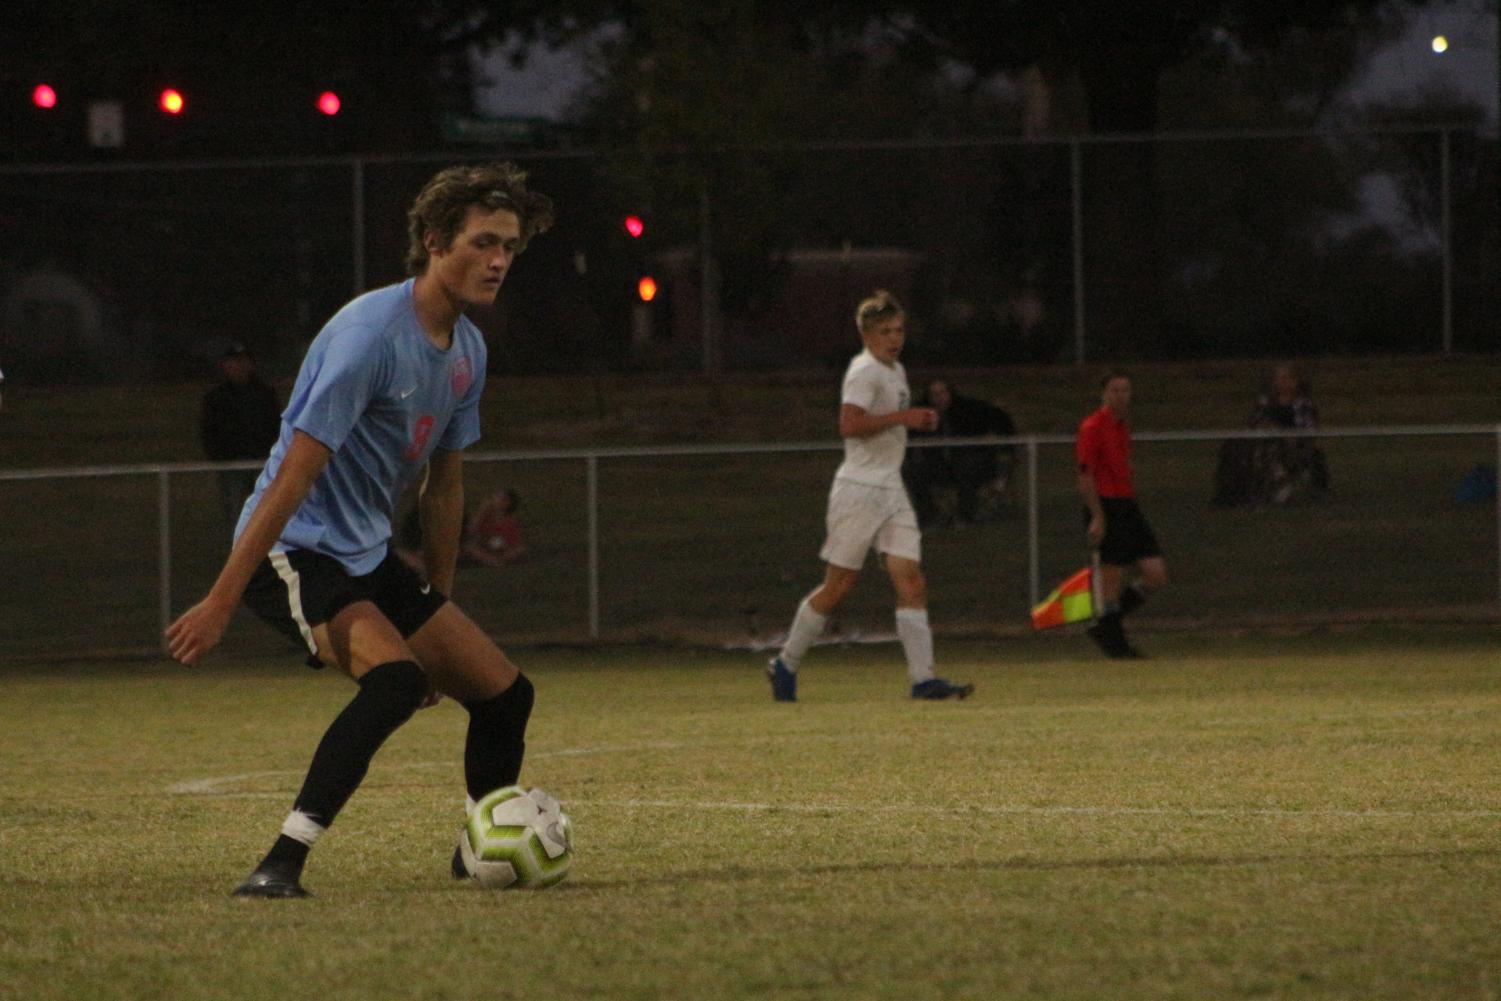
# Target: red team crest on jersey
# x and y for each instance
(463, 375)
(420, 434)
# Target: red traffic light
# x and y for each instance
(634, 225)
(329, 103)
(43, 96)
(646, 288)
(171, 101)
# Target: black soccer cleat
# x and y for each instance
(937, 688)
(457, 865)
(273, 883)
(1113, 643)
(1110, 638)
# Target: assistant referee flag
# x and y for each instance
(1073, 601)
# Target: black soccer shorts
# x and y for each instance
(1128, 537)
(299, 589)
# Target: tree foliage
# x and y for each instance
(690, 89)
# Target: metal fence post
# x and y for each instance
(1076, 170)
(1445, 238)
(357, 223)
(1034, 549)
(708, 280)
(591, 467)
(164, 555)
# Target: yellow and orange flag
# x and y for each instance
(1073, 601)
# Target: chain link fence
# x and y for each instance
(1213, 244)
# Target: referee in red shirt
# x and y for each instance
(1115, 524)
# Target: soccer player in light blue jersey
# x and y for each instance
(388, 393)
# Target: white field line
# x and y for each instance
(217, 787)
(1017, 809)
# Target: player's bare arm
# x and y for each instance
(441, 509)
(855, 422)
(199, 629)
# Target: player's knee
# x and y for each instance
(832, 592)
(399, 686)
(522, 695)
(515, 703)
(911, 588)
(1153, 576)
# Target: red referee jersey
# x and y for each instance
(1103, 448)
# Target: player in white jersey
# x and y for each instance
(387, 394)
(869, 508)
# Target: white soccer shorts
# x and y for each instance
(862, 516)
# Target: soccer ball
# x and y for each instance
(517, 837)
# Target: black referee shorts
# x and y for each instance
(297, 590)
(1128, 537)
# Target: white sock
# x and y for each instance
(807, 626)
(300, 827)
(917, 642)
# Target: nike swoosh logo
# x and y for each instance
(427, 589)
(407, 392)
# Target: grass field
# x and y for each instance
(1267, 815)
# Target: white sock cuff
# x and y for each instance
(807, 626)
(917, 642)
(300, 827)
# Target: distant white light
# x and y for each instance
(1440, 44)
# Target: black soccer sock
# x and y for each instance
(1132, 598)
(497, 738)
(287, 855)
(389, 694)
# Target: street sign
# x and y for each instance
(106, 124)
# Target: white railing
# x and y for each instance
(590, 459)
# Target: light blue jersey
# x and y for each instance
(382, 396)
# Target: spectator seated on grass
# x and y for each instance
(1274, 471)
(492, 534)
(954, 484)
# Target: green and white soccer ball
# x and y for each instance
(517, 838)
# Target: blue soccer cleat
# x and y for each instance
(783, 681)
(937, 688)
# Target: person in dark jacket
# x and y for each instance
(239, 419)
(1274, 470)
(965, 469)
